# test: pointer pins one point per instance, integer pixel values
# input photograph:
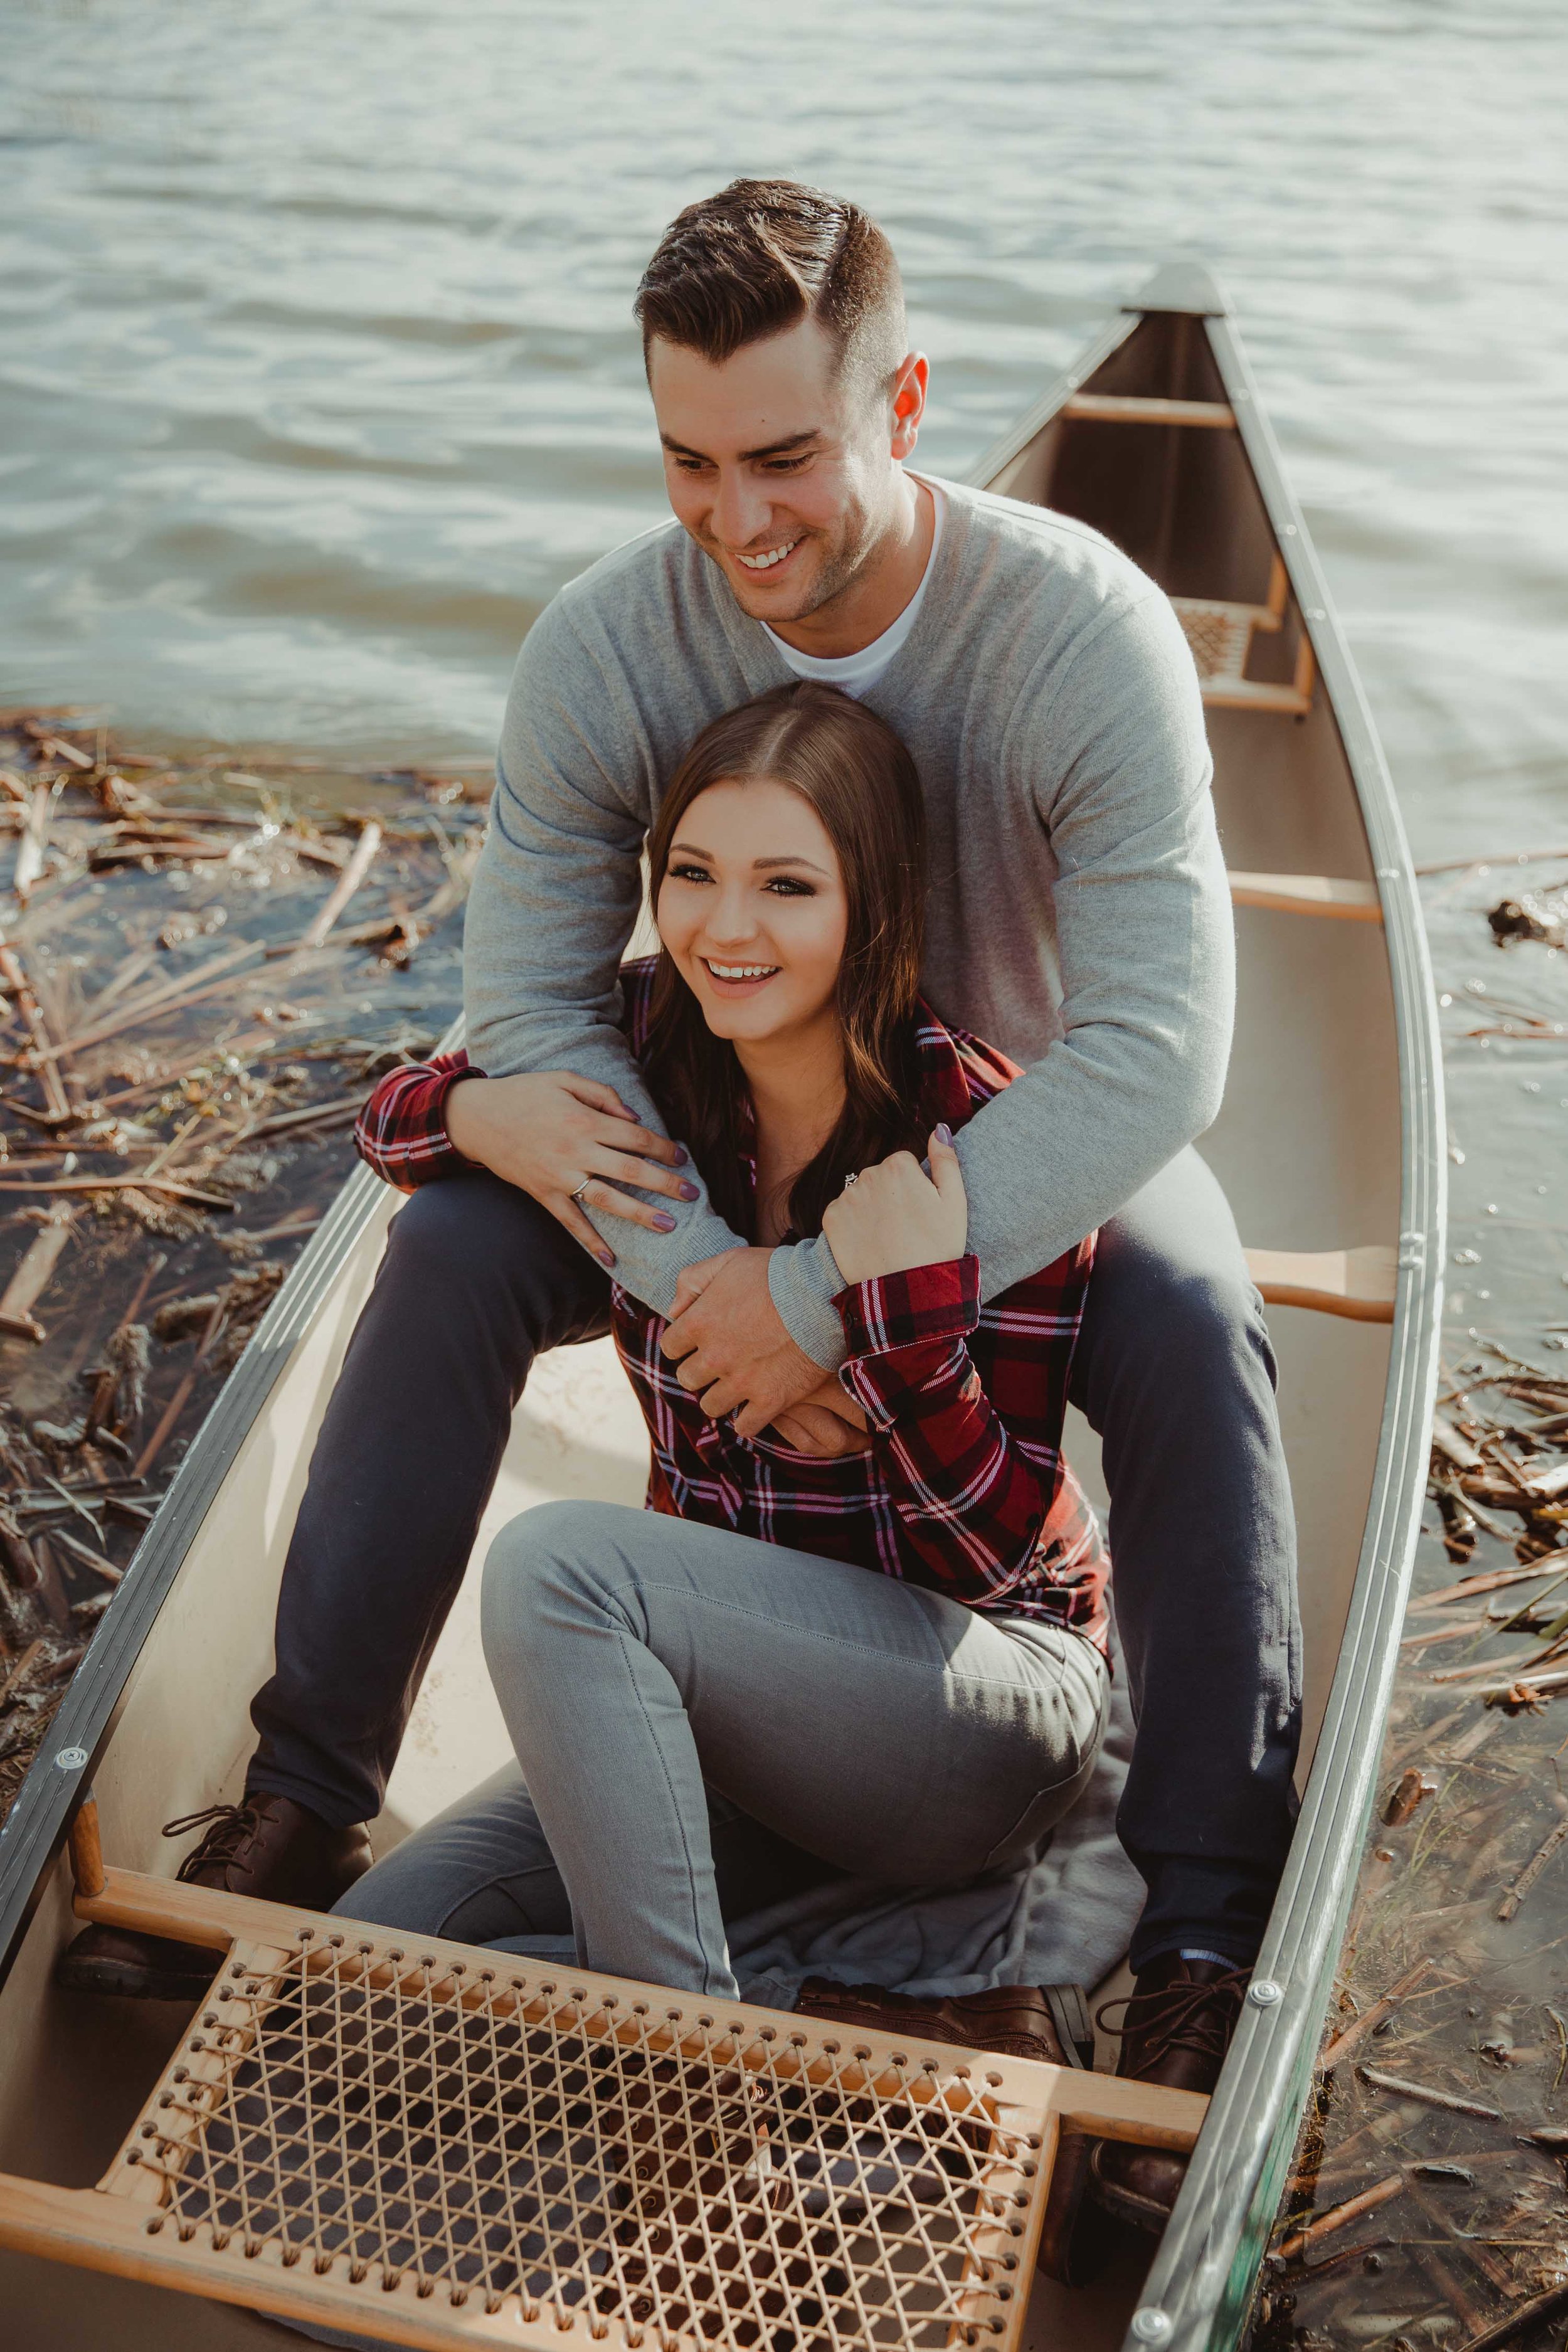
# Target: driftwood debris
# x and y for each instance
(1532, 1870)
(31, 1276)
(1445, 2059)
(1430, 2095)
(1413, 1786)
(1351, 2211)
(1533, 2313)
(187, 1026)
(1370, 2019)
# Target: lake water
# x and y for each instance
(318, 375)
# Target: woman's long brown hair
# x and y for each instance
(857, 776)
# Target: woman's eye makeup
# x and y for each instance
(789, 886)
(690, 874)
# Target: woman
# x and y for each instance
(890, 1663)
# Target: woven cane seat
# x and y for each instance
(1221, 635)
(470, 2136)
(427, 2144)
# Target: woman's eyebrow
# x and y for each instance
(690, 849)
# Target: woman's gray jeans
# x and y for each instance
(704, 1723)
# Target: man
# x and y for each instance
(1079, 919)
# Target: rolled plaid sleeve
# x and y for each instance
(969, 1499)
(401, 1133)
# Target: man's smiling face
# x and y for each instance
(781, 465)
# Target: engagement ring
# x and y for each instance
(582, 1188)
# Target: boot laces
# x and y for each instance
(228, 1827)
(1195, 2017)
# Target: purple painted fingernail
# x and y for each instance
(605, 1257)
(690, 1192)
(665, 1224)
(682, 1155)
(944, 1133)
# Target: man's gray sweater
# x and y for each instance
(1079, 914)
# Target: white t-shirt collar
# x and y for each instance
(854, 674)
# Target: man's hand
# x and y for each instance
(826, 1423)
(730, 1342)
(544, 1132)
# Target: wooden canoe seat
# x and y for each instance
(1220, 635)
(1309, 894)
(437, 2145)
(1121, 408)
(1354, 1282)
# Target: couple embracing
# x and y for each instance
(881, 1161)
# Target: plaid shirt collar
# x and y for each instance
(958, 1075)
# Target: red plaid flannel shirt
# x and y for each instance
(964, 1490)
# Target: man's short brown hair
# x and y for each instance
(761, 256)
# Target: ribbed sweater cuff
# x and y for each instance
(804, 1281)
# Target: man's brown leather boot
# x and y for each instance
(1043, 2021)
(1177, 2028)
(264, 1846)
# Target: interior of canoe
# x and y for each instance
(1146, 448)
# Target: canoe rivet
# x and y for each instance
(1316, 612)
(70, 1760)
(1264, 1992)
(1289, 530)
(1150, 2326)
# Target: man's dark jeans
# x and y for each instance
(1174, 1369)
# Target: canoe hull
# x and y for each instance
(1330, 1138)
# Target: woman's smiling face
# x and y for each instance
(753, 910)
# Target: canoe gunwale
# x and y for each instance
(1200, 2283)
(35, 1830)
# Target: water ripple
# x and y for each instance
(319, 374)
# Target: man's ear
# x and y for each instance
(910, 379)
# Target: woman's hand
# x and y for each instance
(894, 1216)
(545, 1130)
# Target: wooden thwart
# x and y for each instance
(1357, 1283)
(1124, 408)
(1309, 894)
(436, 2144)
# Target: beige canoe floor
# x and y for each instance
(578, 1432)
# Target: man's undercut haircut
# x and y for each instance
(762, 255)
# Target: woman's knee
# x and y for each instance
(546, 1568)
